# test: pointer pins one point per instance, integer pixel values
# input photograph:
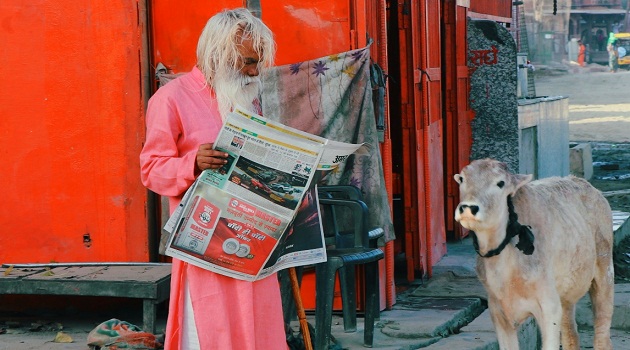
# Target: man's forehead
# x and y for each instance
(247, 51)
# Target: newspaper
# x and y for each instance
(259, 213)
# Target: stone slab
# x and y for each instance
(480, 335)
(581, 160)
(621, 226)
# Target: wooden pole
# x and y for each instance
(295, 287)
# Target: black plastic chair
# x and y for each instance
(343, 256)
(345, 237)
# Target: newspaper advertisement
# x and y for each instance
(259, 212)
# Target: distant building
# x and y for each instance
(550, 28)
(593, 20)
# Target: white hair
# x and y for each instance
(217, 49)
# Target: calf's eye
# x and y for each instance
(501, 184)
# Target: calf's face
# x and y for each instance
(483, 188)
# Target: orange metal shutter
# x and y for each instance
(72, 129)
(426, 36)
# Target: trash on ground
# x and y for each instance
(115, 334)
(62, 337)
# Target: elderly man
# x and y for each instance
(208, 310)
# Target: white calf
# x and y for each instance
(542, 245)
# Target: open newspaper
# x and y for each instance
(259, 213)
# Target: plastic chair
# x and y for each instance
(343, 256)
(345, 237)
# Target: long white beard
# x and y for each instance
(235, 89)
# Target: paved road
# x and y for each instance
(599, 102)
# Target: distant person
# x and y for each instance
(613, 53)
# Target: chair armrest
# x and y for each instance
(374, 234)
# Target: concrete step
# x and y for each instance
(412, 323)
(621, 226)
(480, 335)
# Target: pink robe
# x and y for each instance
(228, 313)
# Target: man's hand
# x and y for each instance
(207, 158)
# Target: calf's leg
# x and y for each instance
(569, 333)
(549, 323)
(506, 331)
(602, 295)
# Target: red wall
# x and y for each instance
(72, 127)
(175, 29)
(294, 23)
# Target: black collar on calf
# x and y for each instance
(514, 228)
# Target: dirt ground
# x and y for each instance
(599, 113)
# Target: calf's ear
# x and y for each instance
(519, 180)
(458, 178)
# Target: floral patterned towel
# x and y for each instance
(332, 97)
